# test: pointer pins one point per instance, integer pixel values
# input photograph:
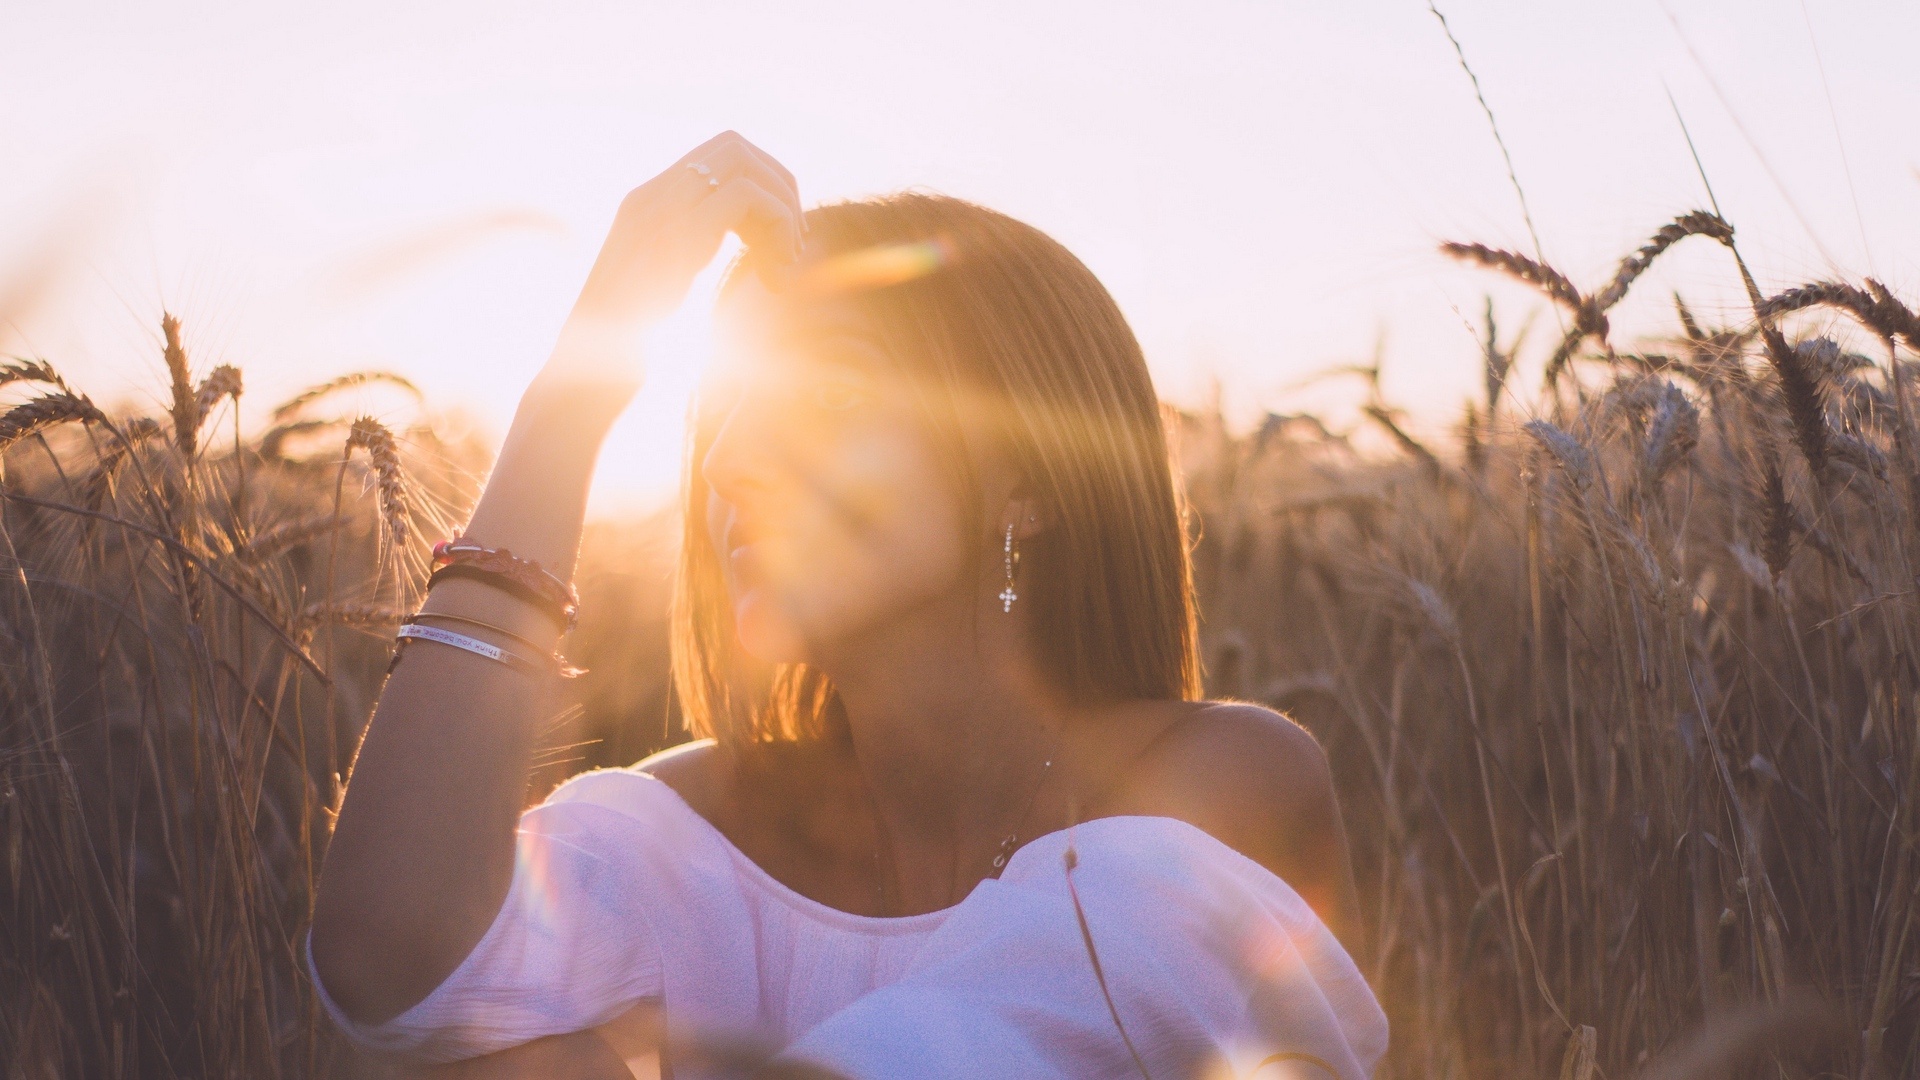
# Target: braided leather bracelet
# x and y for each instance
(501, 568)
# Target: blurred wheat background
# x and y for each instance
(1619, 686)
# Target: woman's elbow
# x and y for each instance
(370, 966)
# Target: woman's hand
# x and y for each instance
(667, 230)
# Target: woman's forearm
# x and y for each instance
(422, 852)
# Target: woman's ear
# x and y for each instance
(1024, 512)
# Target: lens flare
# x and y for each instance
(542, 891)
(877, 267)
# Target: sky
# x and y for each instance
(420, 187)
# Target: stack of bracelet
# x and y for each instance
(504, 570)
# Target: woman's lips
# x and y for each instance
(741, 560)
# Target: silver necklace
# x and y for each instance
(1012, 841)
(1003, 853)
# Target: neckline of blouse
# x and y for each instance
(807, 905)
(926, 921)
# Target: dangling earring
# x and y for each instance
(1007, 595)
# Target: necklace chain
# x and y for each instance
(1013, 838)
(1001, 855)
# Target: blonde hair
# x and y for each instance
(1003, 322)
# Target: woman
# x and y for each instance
(959, 812)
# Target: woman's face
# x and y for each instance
(827, 503)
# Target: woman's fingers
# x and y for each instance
(764, 220)
(729, 159)
(728, 154)
(774, 163)
(671, 226)
(729, 138)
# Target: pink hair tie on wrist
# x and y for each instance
(524, 578)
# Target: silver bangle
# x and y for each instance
(416, 631)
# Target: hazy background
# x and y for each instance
(421, 186)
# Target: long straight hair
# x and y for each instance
(999, 323)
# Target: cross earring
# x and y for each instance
(1007, 595)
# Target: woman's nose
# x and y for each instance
(735, 462)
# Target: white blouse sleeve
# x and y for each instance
(610, 872)
(1214, 965)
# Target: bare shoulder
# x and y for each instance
(778, 794)
(1257, 782)
(696, 771)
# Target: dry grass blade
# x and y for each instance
(1556, 364)
(1578, 1062)
(272, 542)
(358, 378)
(99, 482)
(1688, 324)
(358, 616)
(1497, 363)
(1379, 414)
(1817, 539)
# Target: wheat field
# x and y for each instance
(1618, 683)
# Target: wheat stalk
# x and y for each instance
(374, 437)
(1697, 223)
(185, 408)
(1672, 433)
(37, 414)
(357, 378)
(221, 382)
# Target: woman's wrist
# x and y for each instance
(593, 372)
(573, 410)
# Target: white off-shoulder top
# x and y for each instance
(622, 893)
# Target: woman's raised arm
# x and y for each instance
(422, 852)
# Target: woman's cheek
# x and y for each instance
(876, 533)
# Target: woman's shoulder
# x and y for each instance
(696, 771)
(667, 787)
(734, 788)
(1256, 781)
(699, 773)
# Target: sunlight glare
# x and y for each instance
(640, 462)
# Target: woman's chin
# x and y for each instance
(766, 633)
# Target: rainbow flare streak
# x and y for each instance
(878, 267)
